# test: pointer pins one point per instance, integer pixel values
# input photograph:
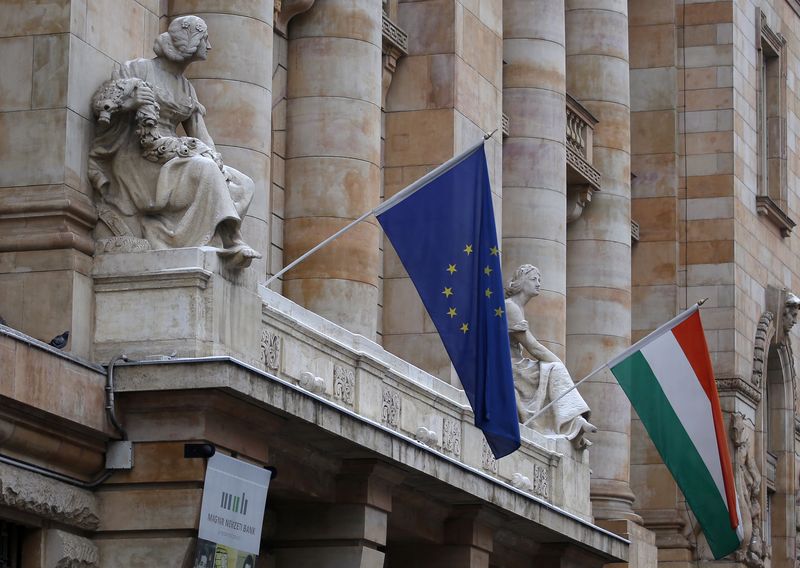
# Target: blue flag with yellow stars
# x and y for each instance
(444, 233)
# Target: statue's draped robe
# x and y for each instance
(180, 203)
(563, 419)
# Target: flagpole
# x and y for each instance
(671, 323)
(394, 200)
(563, 394)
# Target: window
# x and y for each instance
(10, 545)
(771, 111)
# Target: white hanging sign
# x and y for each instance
(234, 499)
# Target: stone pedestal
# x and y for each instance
(179, 300)
(643, 551)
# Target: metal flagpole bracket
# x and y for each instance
(205, 450)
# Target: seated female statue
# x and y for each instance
(154, 185)
(544, 378)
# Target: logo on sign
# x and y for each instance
(235, 504)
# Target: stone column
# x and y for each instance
(235, 85)
(332, 159)
(534, 157)
(599, 249)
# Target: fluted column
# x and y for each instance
(599, 250)
(332, 159)
(534, 157)
(235, 85)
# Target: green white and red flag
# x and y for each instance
(669, 380)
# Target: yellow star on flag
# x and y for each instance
(487, 270)
(488, 293)
(451, 312)
(468, 250)
(498, 312)
(465, 327)
(451, 268)
(447, 292)
(494, 251)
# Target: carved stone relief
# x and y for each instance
(522, 482)
(311, 382)
(488, 462)
(748, 487)
(47, 498)
(541, 485)
(427, 437)
(764, 332)
(271, 350)
(451, 437)
(791, 307)
(66, 550)
(392, 406)
(344, 384)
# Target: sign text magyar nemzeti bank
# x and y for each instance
(234, 498)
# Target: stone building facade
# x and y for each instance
(644, 154)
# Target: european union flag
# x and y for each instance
(444, 232)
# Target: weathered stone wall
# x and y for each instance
(52, 57)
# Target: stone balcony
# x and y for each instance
(582, 178)
(361, 377)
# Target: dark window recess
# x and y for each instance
(10, 545)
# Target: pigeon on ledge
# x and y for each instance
(60, 341)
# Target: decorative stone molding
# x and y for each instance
(451, 437)
(55, 222)
(521, 482)
(737, 385)
(764, 334)
(578, 198)
(767, 207)
(427, 437)
(395, 46)
(311, 383)
(488, 462)
(66, 550)
(344, 384)
(285, 10)
(43, 497)
(271, 350)
(392, 407)
(541, 484)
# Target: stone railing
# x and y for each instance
(360, 376)
(580, 127)
(394, 35)
(582, 178)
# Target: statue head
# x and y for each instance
(526, 278)
(791, 306)
(185, 39)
